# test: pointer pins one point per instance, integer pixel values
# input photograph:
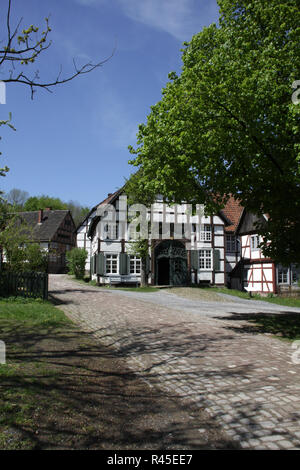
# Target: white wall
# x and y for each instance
(167, 215)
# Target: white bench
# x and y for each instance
(114, 280)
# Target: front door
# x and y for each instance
(163, 278)
(178, 274)
(171, 264)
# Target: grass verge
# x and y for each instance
(285, 301)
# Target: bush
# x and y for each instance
(36, 258)
(76, 262)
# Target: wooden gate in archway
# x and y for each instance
(171, 263)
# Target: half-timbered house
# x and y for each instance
(255, 272)
(176, 255)
(54, 230)
(82, 238)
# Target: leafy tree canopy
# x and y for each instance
(35, 203)
(20, 251)
(227, 125)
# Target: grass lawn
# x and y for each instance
(26, 377)
(224, 290)
(286, 301)
(62, 389)
(197, 293)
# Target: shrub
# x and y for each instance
(76, 262)
(36, 258)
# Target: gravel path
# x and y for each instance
(201, 351)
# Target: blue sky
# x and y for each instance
(72, 143)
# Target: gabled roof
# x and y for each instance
(249, 223)
(233, 212)
(110, 198)
(52, 219)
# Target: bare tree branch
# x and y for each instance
(25, 53)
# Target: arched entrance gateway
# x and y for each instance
(170, 264)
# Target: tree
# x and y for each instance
(34, 203)
(17, 198)
(20, 49)
(227, 125)
(5, 169)
(20, 251)
(78, 211)
(76, 262)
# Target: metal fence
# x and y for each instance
(28, 284)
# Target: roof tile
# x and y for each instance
(233, 211)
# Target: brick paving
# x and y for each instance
(202, 352)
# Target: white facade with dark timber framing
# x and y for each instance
(82, 238)
(175, 256)
(219, 250)
(255, 272)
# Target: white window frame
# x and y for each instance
(110, 255)
(206, 234)
(281, 272)
(254, 242)
(136, 262)
(289, 273)
(207, 258)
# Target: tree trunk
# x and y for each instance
(144, 274)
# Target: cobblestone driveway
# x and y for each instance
(201, 351)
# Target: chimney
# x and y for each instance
(40, 216)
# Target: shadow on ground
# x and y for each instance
(62, 390)
(284, 324)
